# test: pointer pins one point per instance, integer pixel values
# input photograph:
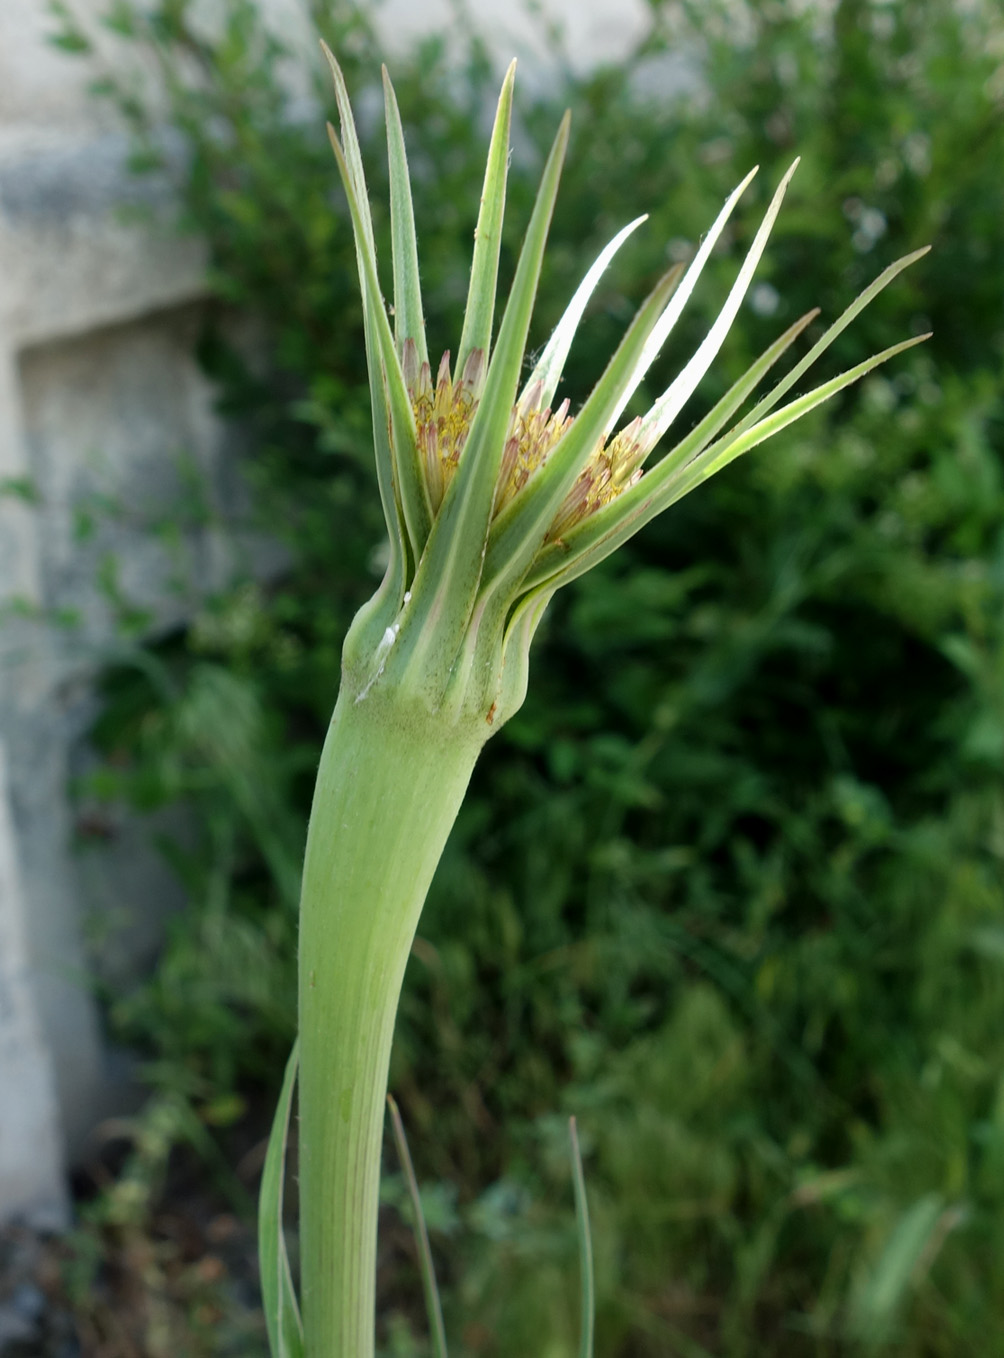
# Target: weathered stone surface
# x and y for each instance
(30, 1133)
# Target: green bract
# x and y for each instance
(492, 500)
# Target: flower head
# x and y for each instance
(493, 497)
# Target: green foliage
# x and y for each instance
(729, 886)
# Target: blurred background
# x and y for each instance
(728, 888)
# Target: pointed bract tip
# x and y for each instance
(744, 184)
(389, 95)
(329, 57)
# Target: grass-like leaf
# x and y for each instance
(731, 446)
(353, 153)
(680, 390)
(449, 574)
(519, 530)
(282, 1314)
(587, 1282)
(681, 297)
(829, 335)
(429, 1287)
(659, 488)
(479, 315)
(552, 361)
(362, 226)
(909, 1251)
(409, 321)
(407, 476)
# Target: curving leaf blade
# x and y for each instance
(552, 361)
(405, 473)
(409, 321)
(433, 1307)
(282, 1314)
(447, 581)
(683, 386)
(682, 296)
(479, 314)
(519, 529)
(587, 1281)
(667, 482)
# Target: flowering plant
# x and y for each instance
(493, 499)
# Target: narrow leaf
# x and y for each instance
(409, 322)
(587, 1284)
(888, 1278)
(480, 311)
(519, 530)
(594, 528)
(407, 478)
(720, 414)
(673, 399)
(831, 333)
(353, 176)
(282, 1314)
(731, 446)
(446, 584)
(432, 1304)
(552, 361)
(682, 296)
(612, 525)
(353, 154)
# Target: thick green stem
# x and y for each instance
(389, 788)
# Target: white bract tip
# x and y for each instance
(678, 301)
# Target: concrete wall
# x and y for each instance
(98, 393)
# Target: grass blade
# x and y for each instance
(406, 474)
(667, 482)
(831, 333)
(519, 529)
(449, 574)
(432, 1303)
(587, 1283)
(552, 361)
(282, 1314)
(354, 179)
(682, 296)
(479, 314)
(409, 321)
(908, 1252)
(680, 390)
